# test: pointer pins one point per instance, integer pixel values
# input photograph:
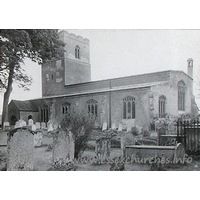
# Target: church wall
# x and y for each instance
(24, 115)
(13, 111)
(78, 104)
(170, 90)
(142, 108)
(175, 78)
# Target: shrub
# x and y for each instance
(81, 127)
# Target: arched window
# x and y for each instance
(77, 52)
(92, 108)
(44, 114)
(129, 108)
(181, 95)
(66, 108)
(162, 108)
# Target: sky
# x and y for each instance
(124, 52)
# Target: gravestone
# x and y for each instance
(49, 126)
(20, 150)
(171, 128)
(120, 127)
(127, 139)
(6, 126)
(102, 149)
(17, 124)
(105, 126)
(33, 127)
(37, 125)
(43, 125)
(63, 147)
(38, 139)
(20, 123)
(30, 122)
(161, 140)
(113, 126)
(129, 129)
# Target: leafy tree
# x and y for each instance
(15, 46)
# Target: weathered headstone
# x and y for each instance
(63, 147)
(102, 149)
(20, 123)
(161, 140)
(127, 139)
(113, 126)
(129, 129)
(171, 127)
(37, 125)
(38, 138)
(6, 126)
(120, 127)
(55, 126)
(33, 127)
(20, 150)
(43, 125)
(49, 126)
(30, 122)
(105, 126)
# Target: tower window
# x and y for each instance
(77, 52)
(181, 95)
(162, 109)
(92, 108)
(129, 108)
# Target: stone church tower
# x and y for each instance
(73, 68)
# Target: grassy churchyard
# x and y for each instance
(43, 158)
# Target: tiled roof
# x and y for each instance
(25, 105)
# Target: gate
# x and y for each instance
(188, 133)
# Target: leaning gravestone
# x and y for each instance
(105, 126)
(20, 150)
(63, 148)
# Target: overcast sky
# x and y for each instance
(117, 53)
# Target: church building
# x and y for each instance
(129, 101)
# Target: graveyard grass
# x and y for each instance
(43, 158)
